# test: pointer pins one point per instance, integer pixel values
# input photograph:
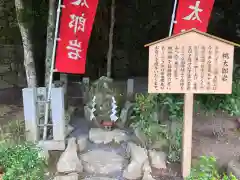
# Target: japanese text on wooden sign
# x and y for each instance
(76, 22)
(178, 65)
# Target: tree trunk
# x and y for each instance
(109, 55)
(27, 44)
(50, 38)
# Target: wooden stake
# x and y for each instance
(187, 135)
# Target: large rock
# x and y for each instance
(147, 170)
(138, 153)
(125, 114)
(87, 113)
(102, 162)
(160, 145)
(142, 138)
(82, 142)
(99, 178)
(69, 129)
(43, 153)
(69, 161)
(133, 171)
(99, 136)
(147, 176)
(138, 158)
(158, 159)
(234, 168)
(146, 166)
(72, 176)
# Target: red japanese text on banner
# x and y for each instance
(193, 14)
(74, 32)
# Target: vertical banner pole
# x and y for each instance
(51, 72)
(173, 17)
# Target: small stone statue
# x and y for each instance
(102, 102)
(107, 106)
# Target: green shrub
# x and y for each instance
(175, 146)
(147, 104)
(13, 132)
(155, 129)
(174, 105)
(19, 159)
(21, 162)
(143, 117)
(206, 169)
(225, 102)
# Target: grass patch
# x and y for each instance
(13, 132)
(206, 169)
(20, 160)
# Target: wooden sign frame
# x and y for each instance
(194, 39)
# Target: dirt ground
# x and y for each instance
(11, 107)
(224, 148)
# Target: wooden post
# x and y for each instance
(30, 114)
(187, 135)
(58, 114)
(187, 83)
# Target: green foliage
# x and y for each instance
(174, 105)
(229, 103)
(144, 120)
(206, 169)
(145, 111)
(175, 146)
(25, 14)
(13, 132)
(232, 101)
(21, 161)
(147, 105)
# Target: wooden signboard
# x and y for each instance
(190, 62)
